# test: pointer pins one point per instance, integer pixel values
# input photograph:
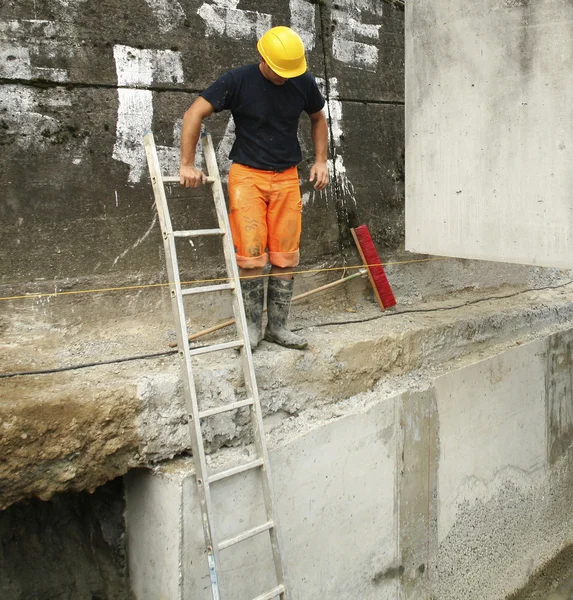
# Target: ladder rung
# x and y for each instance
(197, 232)
(176, 179)
(236, 470)
(208, 288)
(245, 536)
(217, 347)
(221, 409)
(280, 589)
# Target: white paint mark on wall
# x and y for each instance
(134, 118)
(302, 19)
(41, 28)
(140, 68)
(136, 67)
(20, 112)
(71, 3)
(346, 44)
(169, 13)
(138, 242)
(24, 41)
(22, 46)
(15, 62)
(336, 166)
(223, 18)
(224, 148)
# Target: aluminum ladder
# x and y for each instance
(196, 415)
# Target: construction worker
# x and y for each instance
(265, 207)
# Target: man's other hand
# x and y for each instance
(319, 174)
(191, 177)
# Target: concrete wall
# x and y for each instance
(80, 83)
(489, 130)
(460, 486)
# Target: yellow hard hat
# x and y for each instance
(283, 51)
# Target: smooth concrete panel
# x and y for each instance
(489, 132)
(335, 491)
(492, 428)
(154, 534)
(336, 499)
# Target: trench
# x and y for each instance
(70, 547)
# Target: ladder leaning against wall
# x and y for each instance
(205, 479)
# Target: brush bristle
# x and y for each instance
(377, 271)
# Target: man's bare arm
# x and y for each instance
(199, 110)
(319, 132)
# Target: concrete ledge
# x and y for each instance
(446, 489)
(78, 429)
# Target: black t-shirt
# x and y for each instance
(266, 115)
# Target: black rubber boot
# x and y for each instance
(253, 291)
(279, 295)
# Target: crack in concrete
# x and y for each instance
(382, 102)
(45, 84)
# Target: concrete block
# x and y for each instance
(503, 509)
(334, 489)
(443, 490)
(488, 128)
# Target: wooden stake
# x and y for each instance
(365, 263)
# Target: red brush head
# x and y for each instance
(377, 271)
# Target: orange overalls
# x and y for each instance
(265, 213)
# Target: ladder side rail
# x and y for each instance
(247, 359)
(184, 353)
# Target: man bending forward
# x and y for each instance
(266, 101)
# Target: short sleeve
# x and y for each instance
(314, 99)
(221, 93)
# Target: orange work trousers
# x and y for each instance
(265, 212)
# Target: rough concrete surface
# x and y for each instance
(80, 85)
(502, 510)
(554, 581)
(77, 429)
(333, 486)
(434, 484)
